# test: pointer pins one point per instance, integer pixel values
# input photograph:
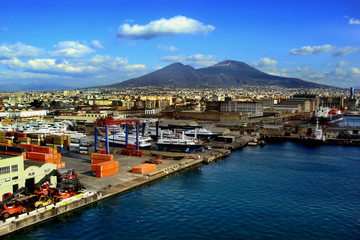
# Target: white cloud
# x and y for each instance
(70, 49)
(168, 48)
(18, 50)
(12, 63)
(98, 67)
(308, 50)
(355, 70)
(163, 27)
(339, 52)
(315, 50)
(354, 21)
(96, 44)
(196, 60)
(264, 62)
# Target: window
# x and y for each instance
(14, 178)
(14, 168)
(4, 170)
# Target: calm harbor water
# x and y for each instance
(280, 191)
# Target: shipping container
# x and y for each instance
(28, 147)
(144, 168)
(107, 157)
(107, 173)
(40, 156)
(41, 149)
(104, 166)
(98, 161)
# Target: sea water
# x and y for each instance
(279, 191)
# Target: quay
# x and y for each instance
(98, 189)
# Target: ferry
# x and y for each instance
(185, 144)
(201, 133)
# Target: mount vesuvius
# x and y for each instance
(225, 74)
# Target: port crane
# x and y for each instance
(104, 122)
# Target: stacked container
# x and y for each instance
(82, 146)
(144, 168)
(103, 165)
(6, 138)
(43, 154)
(13, 150)
(61, 141)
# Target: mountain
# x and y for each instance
(224, 74)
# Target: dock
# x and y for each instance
(98, 189)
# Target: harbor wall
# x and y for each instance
(39, 215)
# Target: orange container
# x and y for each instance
(144, 168)
(60, 165)
(107, 172)
(98, 161)
(28, 147)
(6, 144)
(104, 166)
(43, 149)
(40, 156)
(106, 157)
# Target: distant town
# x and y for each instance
(230, 104)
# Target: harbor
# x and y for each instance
(97, 189)
(164, 161)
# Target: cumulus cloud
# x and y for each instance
(264, 62)
(353, 21)
(163, 27)
(96, 44)
(196, 60)
(314, 50)
(104, 67)
(70, 49)
(18, 50)
(339, 52)
(168, 48)
(48, 66)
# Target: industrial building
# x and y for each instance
(15, 173)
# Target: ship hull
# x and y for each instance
(333, 118)
(182, 147)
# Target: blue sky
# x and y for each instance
(81, 43)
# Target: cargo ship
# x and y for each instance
(326, 114)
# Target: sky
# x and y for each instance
(81, 43)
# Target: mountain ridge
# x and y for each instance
(225, 74)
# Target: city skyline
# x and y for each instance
(92, 43)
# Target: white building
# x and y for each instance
(252, 109)
(27, 113)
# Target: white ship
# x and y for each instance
(119, 140)
(185, 144)
(201, 133)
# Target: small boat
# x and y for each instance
(253, 142)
